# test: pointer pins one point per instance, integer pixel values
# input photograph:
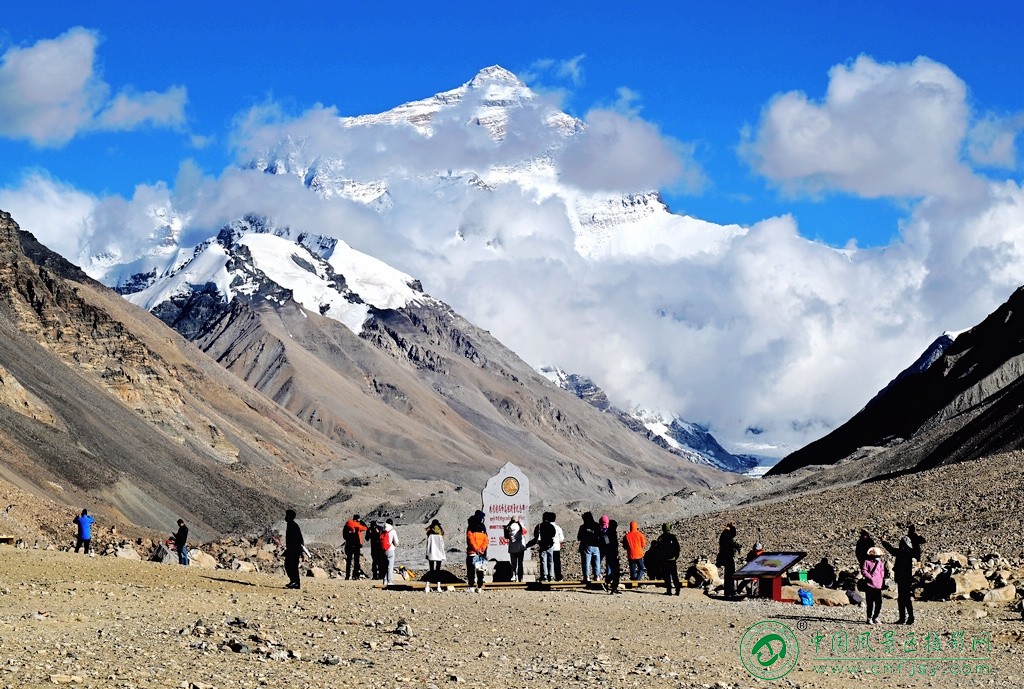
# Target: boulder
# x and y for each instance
(969, 581)
(830, 597)
(198, 558)
(709, 572)
(944, 558)
(243, 566)
(126, 552)
(317, 573)
(1003, 594)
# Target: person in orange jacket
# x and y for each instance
(477, 541)
(353, 536)
(635, 543)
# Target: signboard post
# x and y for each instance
(506, 495)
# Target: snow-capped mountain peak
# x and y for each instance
(254, 256)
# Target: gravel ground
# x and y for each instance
(105, 622)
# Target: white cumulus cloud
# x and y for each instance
(50, 92)
(882, 130)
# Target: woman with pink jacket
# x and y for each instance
(873, 570)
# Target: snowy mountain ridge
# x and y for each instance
(688, 440)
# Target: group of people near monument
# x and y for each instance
(599, 546)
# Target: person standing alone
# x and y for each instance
(294, 549)
(180, 540)
(84, 524)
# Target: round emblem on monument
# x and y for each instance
(510, 486)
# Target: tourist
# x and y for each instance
(727, 550)
(668, 549)
(610, 553)
(873, 570)
(377, 559)
(864, 543)
(589, 539)
(556, 549)
(635, 543)
(908, 550)
(751, 586)
(388, 539)
(435, 552)
(180, 539)
(352, 535)
(824, 573)
(476, 552)
(84, 524)
(294, 549)
(515, 534)
(544, 536)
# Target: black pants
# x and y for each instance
(730, 583)
(291, 568)
(613, 572)
(87, 542)
(905, 600)
(433, 565)
(558, 564)
(352, 567)
(873, 598)
(378, 563)
(516, 560)
(670, 569)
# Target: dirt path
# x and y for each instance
(103, 622)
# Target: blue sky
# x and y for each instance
(868, 150)
(701, 73)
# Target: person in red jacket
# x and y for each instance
(353, 535)
(635, 543)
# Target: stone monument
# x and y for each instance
(506, 495)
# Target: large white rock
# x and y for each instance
(126, 552)
(202, 560)
(1003, 594)
(969, 581)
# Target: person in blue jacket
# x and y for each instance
(84, 524)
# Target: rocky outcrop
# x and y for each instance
(961, 400)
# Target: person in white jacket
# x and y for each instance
(435, 552)
(390, 538)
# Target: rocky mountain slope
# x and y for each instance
(959, 401)
(103, 406)
(357, 350)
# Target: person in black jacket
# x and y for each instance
(864, 543)
(727, 550)
(589, 539)
(180, 539)
(610, 553)
(668, 549)
(294, 549)
(908, 550)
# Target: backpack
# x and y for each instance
(384, 539)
